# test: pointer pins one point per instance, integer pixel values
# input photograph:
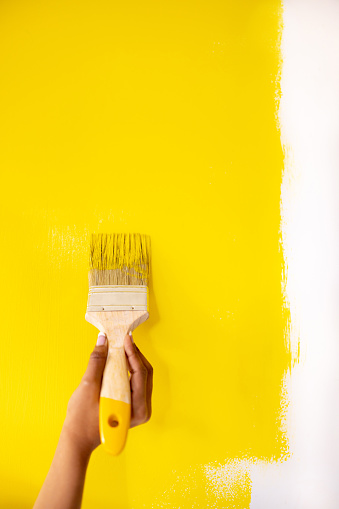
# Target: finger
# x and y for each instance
(97, 360)
(145, 361)
(136, 366)
(149, 386)
(138, 382)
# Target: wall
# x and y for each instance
(310, 128)
(158, 118)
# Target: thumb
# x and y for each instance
(97, 360)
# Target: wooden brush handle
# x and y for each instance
(115, 396)
(115, 401)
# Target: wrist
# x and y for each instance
(76, 444)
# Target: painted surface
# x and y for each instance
(159, 118)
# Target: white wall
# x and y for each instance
(309, 118)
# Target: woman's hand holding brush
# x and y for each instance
(83, 408)
(79, 437)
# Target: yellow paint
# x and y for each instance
(160, 118)
(114, 437)
(121, 251)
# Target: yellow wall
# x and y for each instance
(160, 118)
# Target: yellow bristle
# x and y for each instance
(119, 259)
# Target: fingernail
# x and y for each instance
(101, 339)
(130, 334)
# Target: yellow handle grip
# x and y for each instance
(114, 423)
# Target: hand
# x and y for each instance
(82, 419)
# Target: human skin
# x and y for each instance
(64, 484)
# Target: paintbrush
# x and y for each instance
(117, 304)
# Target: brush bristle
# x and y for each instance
(119, 259)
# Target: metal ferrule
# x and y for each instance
(118, 298)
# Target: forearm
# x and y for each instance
(64, 484)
